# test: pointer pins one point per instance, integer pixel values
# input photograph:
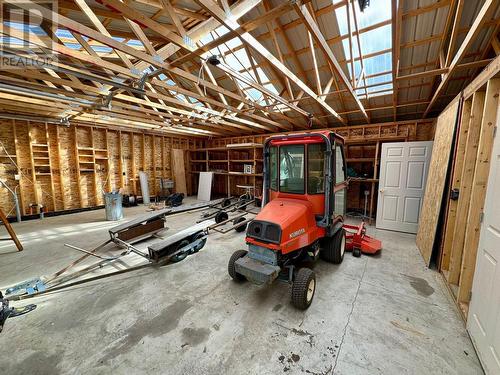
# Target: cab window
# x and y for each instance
(316, 168)
(273, 168)
(339, 164)
(291, 169)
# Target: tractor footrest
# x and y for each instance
(257, 272)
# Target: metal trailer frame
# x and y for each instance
(56, 281)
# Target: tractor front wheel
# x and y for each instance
(230, 266)
(303, 288)
(334, 248)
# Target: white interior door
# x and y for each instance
(403, 172)
(483, 321)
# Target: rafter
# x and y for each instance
(313, 28)
(220, 15)
(481, 18)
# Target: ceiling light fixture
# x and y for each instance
(363, 4)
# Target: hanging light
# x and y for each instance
(363, 4)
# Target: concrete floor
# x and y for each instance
(385, 314)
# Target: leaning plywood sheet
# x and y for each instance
(179, 171)
(431, 207)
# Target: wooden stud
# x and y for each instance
(154, 167)
(77, 164)
(120, 160)
(52, 190)
(133, 178)
(466, 180)
(455, 184)
(22, 199)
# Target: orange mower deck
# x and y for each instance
(356, 238)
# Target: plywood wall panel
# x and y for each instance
(60, 190)
(24, 163)
(7, 168)
(114, 160)
(438, 170)
(148, 161)
(68, 167)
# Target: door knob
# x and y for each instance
(382, 191)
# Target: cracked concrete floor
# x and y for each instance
(385, 314)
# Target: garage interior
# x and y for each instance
(250, 186)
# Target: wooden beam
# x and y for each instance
(466, 180)
(455, 184)
(484, 13)
(313, 28)
(454, 32)
(396, 49)
(220, 15)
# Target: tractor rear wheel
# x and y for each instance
(303, 288)
(230, 266)
(334, 248)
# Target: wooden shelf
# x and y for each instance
(232, 173)
(226, 158)
(240, 146)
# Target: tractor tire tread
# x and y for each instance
(300, 286)
(230, 266)
(332, 251)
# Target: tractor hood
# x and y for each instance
(288, 223)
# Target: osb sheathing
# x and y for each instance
(60, 189)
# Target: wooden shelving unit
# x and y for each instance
(227, 164)
(41, 167)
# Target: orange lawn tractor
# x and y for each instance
(302, 217)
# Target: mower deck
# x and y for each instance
(357, 239)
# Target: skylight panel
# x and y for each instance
(378, 11)
(376, 40)
(371, 42)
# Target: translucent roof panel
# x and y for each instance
(376, 42)
(236, 59)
